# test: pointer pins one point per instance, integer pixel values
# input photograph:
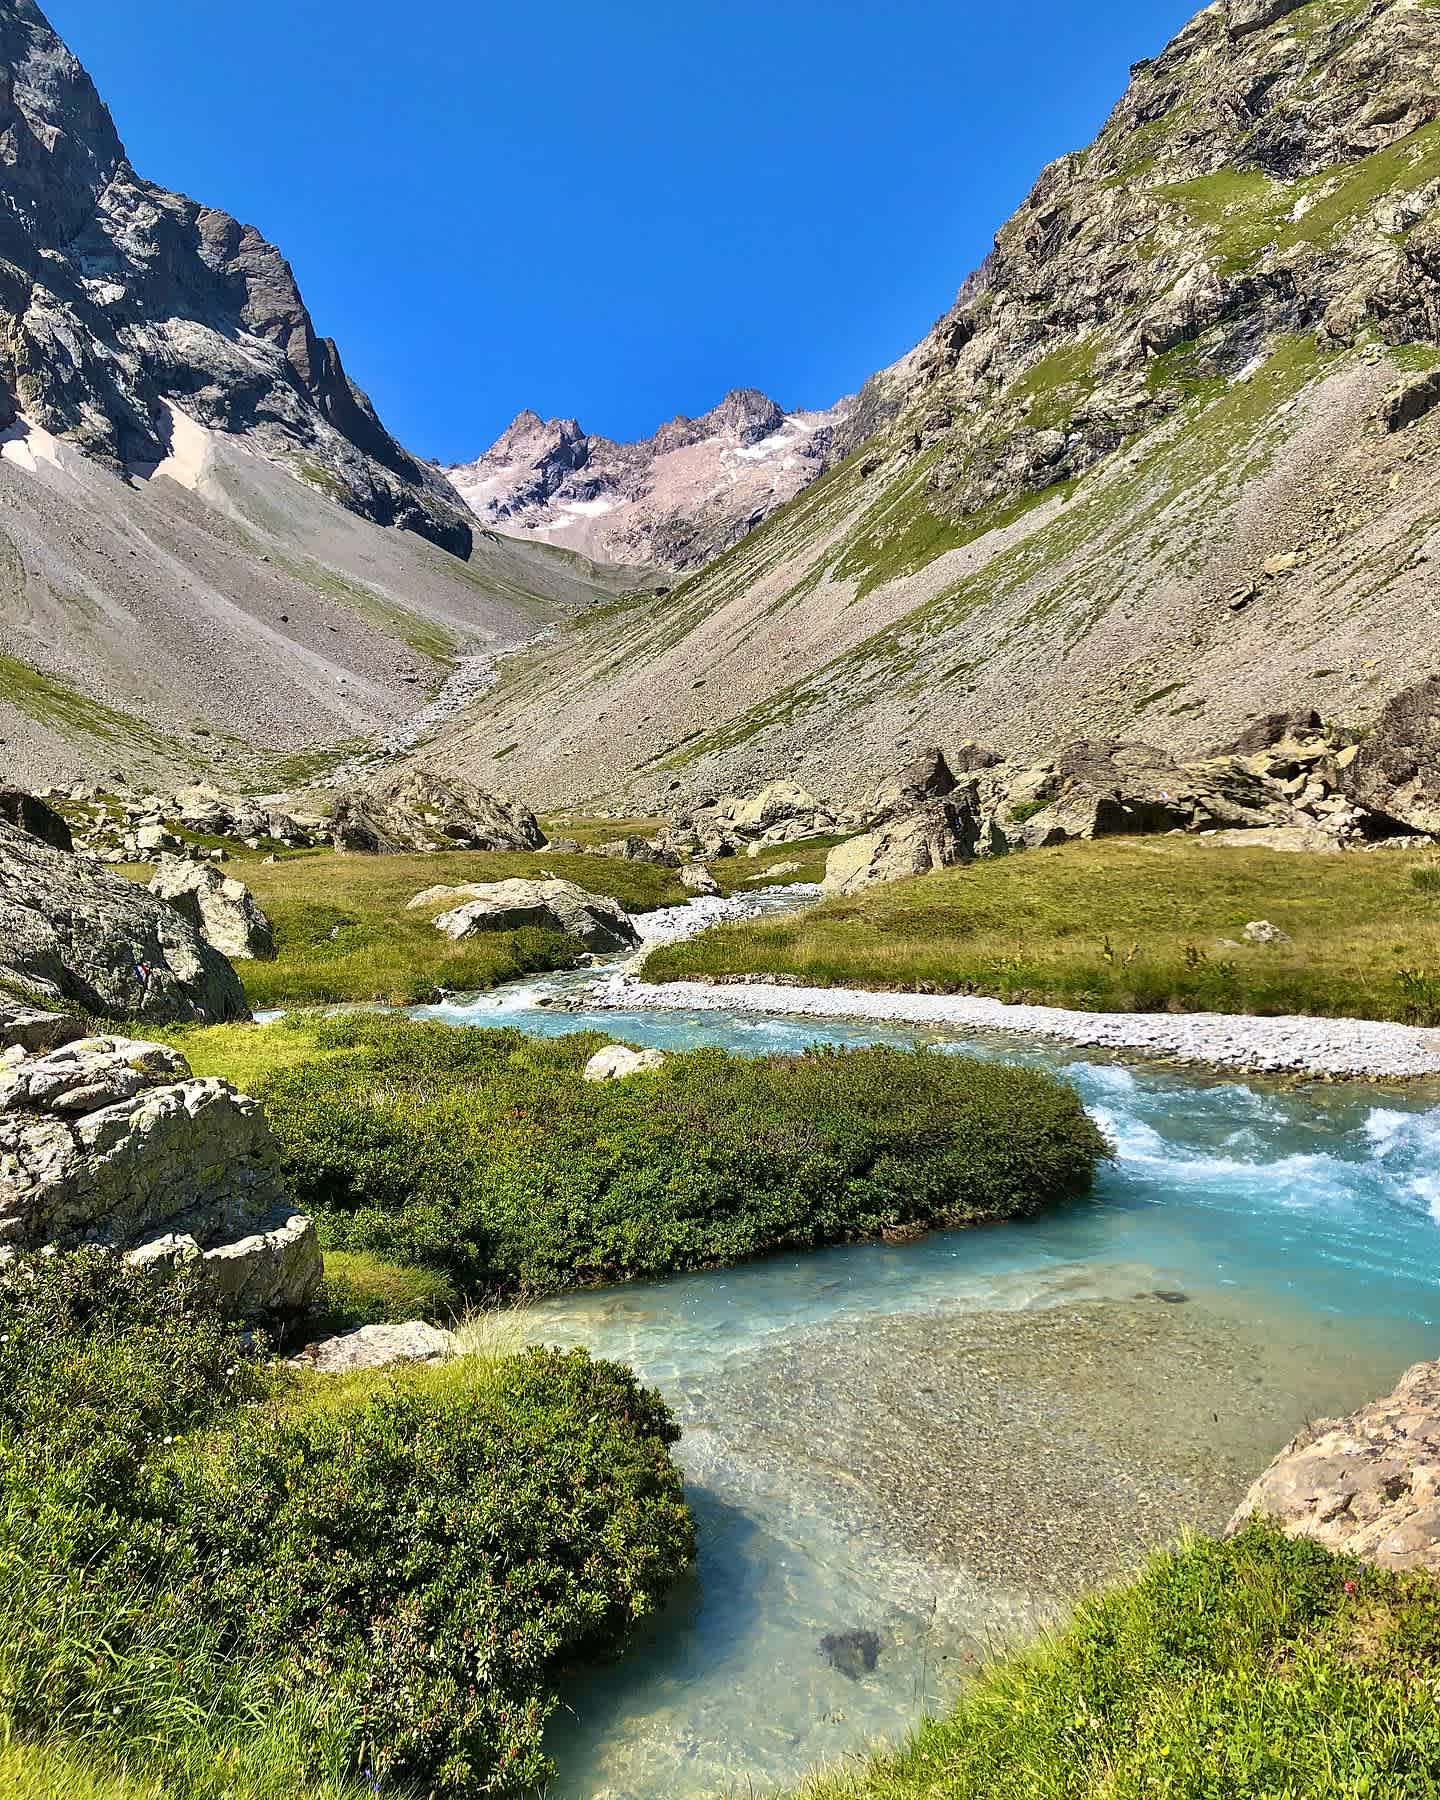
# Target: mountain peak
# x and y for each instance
(676, 498)
(173, 302)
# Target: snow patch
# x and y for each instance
(589, 509)
(26, 446)
(189, 457)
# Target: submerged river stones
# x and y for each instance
(1038, 1451)
(853, 1653)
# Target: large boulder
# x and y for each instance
(637, 849)
(936, 836)
(924, 778)
(1300, 726)
(1368, 1485)
(208, 812)
(697, 879)
(222, 910)
(73, 933)
(35, 818)
(1105, 788)
(112, 1141)
(1396, 770)
(782, 812)
(594, 920)
(416, 810)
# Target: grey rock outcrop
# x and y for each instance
(1105, 788)
(925, 777)
(781, 812)
(636, 849)
(594, 920)
(1367, 1485)
(222, 910)
(72, 933)
(32, 816)
(119, 297)
(937, 835)
(1396, 770)
(1245, 16)
(112, 1141)
(417, 810)
(377, 1347)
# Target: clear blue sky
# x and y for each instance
(614, 211)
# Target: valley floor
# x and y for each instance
(1168, 946)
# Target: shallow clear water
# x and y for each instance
(936, 1443)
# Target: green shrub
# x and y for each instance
(484, 1153)
(214, 1569)
(1258, 1669)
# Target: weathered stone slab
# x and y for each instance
(377, 1347)
(1368, 1485)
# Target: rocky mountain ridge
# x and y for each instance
(122, 301)
(1171, 459)
(198, 570)
(675, 499)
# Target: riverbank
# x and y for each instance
(1122, 925)
(976, 1427)
(1331, 1049)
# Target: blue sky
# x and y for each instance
(612, 211)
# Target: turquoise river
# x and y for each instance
(903, 1456)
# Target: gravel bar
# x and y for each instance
(1341, 1048)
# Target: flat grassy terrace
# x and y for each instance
(1122, 925)
(343, 934)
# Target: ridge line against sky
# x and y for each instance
(612, 214)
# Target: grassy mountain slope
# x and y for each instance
(1141, 479)
(224, 615)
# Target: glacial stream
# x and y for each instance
(902, 1456)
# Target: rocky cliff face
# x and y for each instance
(195, 575)
(675, 499)
(1171, 459)
(119, 300)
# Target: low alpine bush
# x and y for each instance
(212, 1567)
(484, 1154)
